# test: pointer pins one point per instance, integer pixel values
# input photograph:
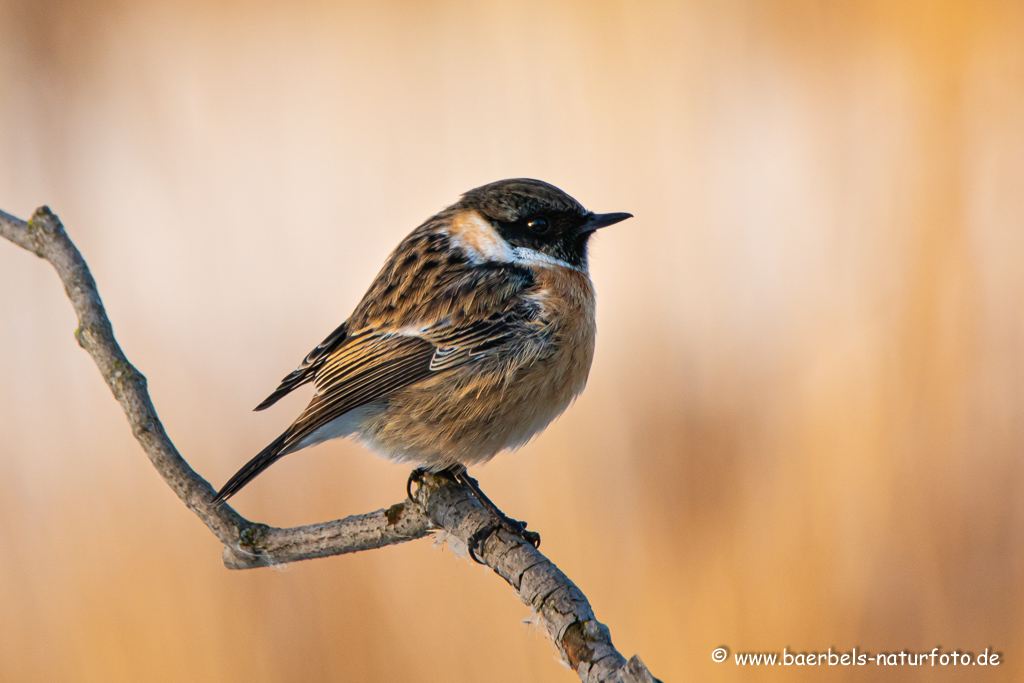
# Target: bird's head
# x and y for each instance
(537, 216)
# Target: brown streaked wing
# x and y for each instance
(364, 370)
(372, 366)
(458, 345)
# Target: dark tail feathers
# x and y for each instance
(267, 457)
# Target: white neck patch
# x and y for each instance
(523, 256)
(481, 243)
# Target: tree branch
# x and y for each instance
(439, 503)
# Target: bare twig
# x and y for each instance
(248, 544)
(564, 611)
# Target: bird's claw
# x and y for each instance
(499, 520)
(510, 525)
(415, 477)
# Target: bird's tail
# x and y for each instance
(264, 459)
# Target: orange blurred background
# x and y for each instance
(805, 419)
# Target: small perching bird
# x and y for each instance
(475, 335)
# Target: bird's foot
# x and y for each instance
(500, 521)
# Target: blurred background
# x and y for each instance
(805, 420)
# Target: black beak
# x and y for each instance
(603, 220)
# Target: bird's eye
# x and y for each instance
(538, 224)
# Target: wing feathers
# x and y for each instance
(307, 369)
(393, 363)
(378, 352)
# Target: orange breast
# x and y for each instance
(567, 300)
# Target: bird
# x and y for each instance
(478, 331)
